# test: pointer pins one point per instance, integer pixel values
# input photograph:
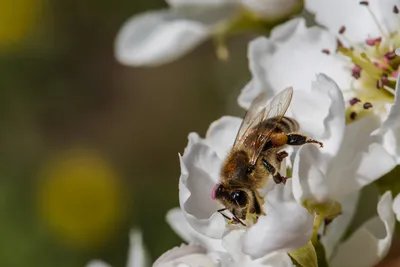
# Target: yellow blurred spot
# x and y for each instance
(80, 198)
(17, 19)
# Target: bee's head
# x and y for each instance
(238, 200)
(230, 196)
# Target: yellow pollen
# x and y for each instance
(363, 61)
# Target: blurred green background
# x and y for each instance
(89, 148)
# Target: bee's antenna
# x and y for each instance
(221, 212)
(234, 216)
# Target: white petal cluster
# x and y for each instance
(200, 166)
(158, 37)
(318, 63)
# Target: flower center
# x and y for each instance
(374, 68)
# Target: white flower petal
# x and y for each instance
(284, 31)
(309, 177)
(97, 263)
(391, 142)
(390, 129)
(273, 10)
(356, 18)
(200, 168)
(393, 119)
(159, 37)
(199, 158)
(396, 206)
(279, 259)
(384, 12)
(156, 38)
(327, 125)
(178, 3)
(370, 243)
(286, 227)
(137, 253)
(249, 92)
(321, 177)
(297, 60)
(358, 158)
(222, 133)
(232, 242)
(293, 59)
(187, 255)
(257, 53)
(310, 167)
(338, 227)
(180, 225)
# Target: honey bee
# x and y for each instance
(256, 156)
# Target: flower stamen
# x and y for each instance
(326, 51)
(354, 101)
(383, 32)
(395, 9)
(353, 115)
(373, 41)
(389, 89)
(367, 105)
(342, 29)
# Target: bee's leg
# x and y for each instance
(281, 155)
(278, 178)
(295, 139)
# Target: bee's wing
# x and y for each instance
(260, 110)
(276, 108)
(252, 118)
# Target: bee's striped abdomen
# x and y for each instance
(286, 125)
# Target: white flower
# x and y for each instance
(137, 255)
(157, 37)
(200, 167)
(202, 160)
(354, 158)
(365, 66)
(368, 244)
(289, 49)
(222, 253)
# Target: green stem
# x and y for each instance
(318, 220)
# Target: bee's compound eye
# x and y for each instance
(239, 197)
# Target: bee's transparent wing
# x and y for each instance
(252, 118)
(276, 108)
